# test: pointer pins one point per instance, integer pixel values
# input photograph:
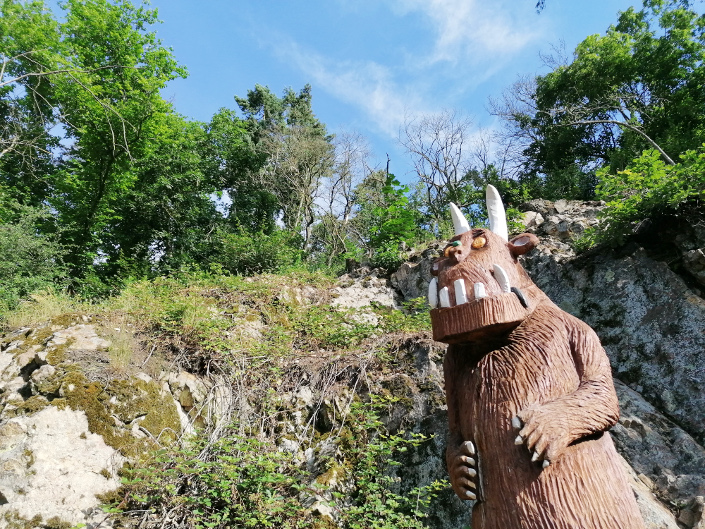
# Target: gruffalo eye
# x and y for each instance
(478, 242)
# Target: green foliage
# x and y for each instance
(127, 66)
(639, 86)
(245, 253)
(232, 163)
(30, 47)
(242, 481)
(378, 501)
(648, 187)
(394, 222)
(385, 219)
(236, 481)
(296, 150)
(29, 260)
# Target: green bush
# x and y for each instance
(648, 187)
(29, 260)
(379, 502)
(245, 253)
(242, 481)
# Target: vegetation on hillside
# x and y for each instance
(102, 181)
(257, 337)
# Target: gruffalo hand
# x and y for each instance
(462, 470)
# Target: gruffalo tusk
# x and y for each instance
(495, 211)
(460, 223)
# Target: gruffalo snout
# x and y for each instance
(529, 391)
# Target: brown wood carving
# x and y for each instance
(530, 397)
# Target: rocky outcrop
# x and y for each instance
(53, 467)
(562, 219)
(68, 422)
(665, 459)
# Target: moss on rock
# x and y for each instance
(109, 409)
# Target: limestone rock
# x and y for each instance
(694, 262)
(647, 318)
(79, 337)
(412, 278)
(662, 454)
(362, 289)
(532, 219)
(53, 466)
(357, 292)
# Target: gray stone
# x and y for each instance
(532, 219)
(649, 321)
(53, 467)
(657, 449)
(560, 206)
(79, 337)
(694, 262)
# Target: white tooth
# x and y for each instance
(433, 293)
(460, 295)
(445, 299)
(501, 276)
(479, 290)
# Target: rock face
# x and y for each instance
(67, 423)
(668, 461)
(53, 467)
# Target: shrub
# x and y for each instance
(243, 481)
(29, 260)
(245, 253)
(648, 187)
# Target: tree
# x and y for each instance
(334, 234)
(29, 260)
(30, 56)
(232, 162)
(167, 218)
(298, 159)
(439, 147)
(384, 219)
(113, 113)
(640, 86)
(297, 149)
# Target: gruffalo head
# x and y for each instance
(480, 289)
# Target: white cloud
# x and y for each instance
(479, 35)
(365, 84)
(479, 31)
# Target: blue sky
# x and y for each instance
(370, 62)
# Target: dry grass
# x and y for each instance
(43, 307)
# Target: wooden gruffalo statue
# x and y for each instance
(529, 391)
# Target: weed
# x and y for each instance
(243, 481)
(40, 308)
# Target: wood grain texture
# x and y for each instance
(551, 371)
